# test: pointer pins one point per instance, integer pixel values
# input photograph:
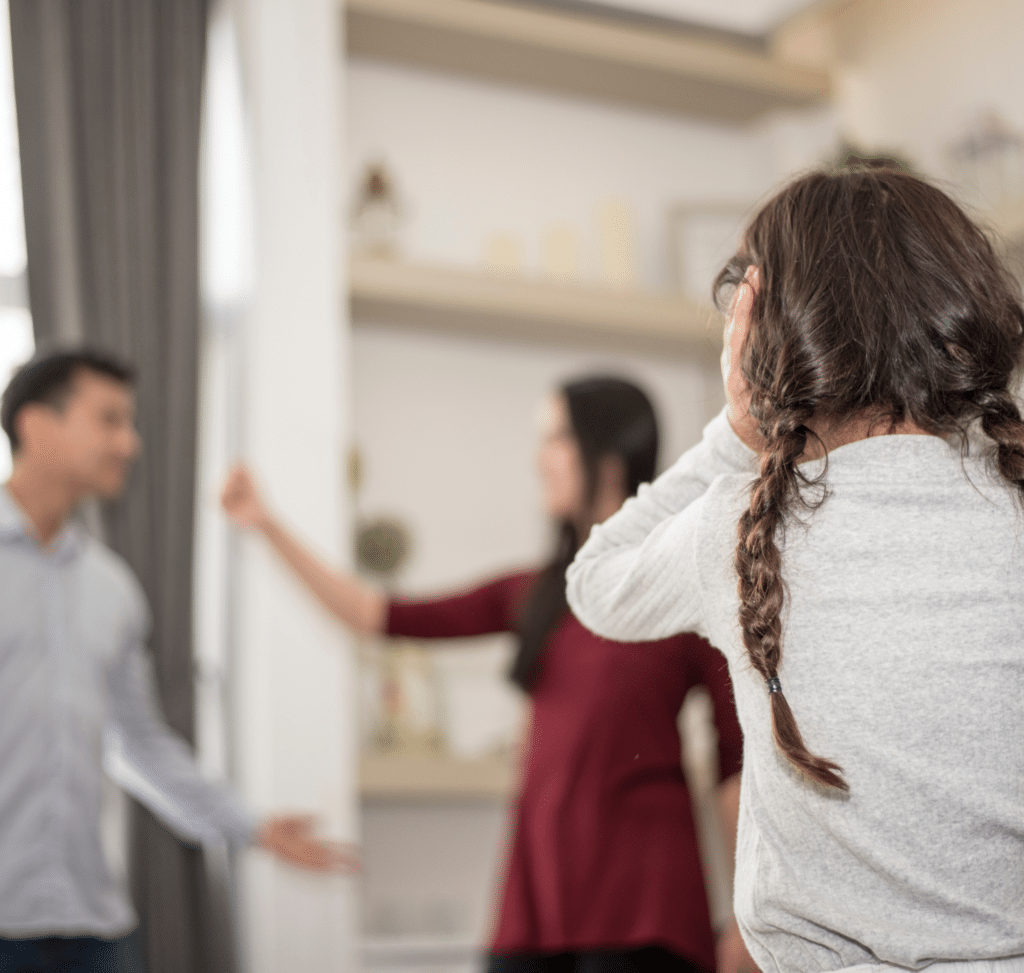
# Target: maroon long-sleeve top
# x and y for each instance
(604, 849)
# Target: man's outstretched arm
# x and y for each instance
(156, 766)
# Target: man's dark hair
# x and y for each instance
(49, 379)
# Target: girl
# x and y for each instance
(603, 873)
(849, 533)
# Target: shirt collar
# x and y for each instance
(14, 524)
(12, 518)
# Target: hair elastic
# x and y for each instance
(774, 685)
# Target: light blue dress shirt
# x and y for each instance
(75, 682)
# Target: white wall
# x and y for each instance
(294, 684)
(913, 75)
(473, 159)
(420, 883)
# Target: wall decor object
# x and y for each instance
(401, 710)
(987, 161)
(503, 253)
(382, 546)
(410, 717)
(617, 239)
(701, 239)
(560, 254)
(849, 154)
(377, 214)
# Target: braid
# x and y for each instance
(761, 588)
(1001, 421)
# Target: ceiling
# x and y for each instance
(753, 17)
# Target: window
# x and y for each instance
(16, 339)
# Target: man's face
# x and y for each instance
(90, 442)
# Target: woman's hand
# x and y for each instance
(241, 500)
(737, 389)
(290, 838)
(341, 593)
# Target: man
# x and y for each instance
(75, 683)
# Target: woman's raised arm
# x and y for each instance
(356, 604)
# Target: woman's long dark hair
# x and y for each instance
(879, 300)
(610, 418)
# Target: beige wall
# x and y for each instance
(910, 75)
(473, 159)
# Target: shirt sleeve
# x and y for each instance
(155, 765)
(485, 609)
(636, 577)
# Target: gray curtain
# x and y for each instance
(108, 97)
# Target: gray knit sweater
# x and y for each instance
(903, 660)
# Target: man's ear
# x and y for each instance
(32, 421)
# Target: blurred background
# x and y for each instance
(387, 229)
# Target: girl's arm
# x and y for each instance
(635, 577)
(356, 604)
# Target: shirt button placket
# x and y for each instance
(61, 765)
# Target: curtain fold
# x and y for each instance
(108, 96)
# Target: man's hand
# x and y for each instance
(731, 953)
(241, 499)
(291, 839)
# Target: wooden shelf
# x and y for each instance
(419, 950)
(505, 306)
(444, 778)
(577, 54)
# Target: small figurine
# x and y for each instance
(618, 246)
(503, 254)
(988, 162)
(377, 214)
(560, 256)
(402, 699)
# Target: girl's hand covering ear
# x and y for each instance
(737, 390)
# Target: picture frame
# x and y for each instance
(702, 237)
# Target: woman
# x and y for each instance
(604, 871)
(857, 555)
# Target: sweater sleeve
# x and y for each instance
(636, 578)
(156, 766)
(484, 609)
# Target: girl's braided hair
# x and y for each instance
(879, 300)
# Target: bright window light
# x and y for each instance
(12, 226)
(16, 346)
(16, 338)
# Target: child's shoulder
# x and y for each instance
(728, 495)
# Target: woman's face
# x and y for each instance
(563, 482)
